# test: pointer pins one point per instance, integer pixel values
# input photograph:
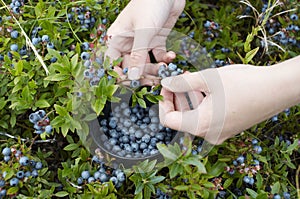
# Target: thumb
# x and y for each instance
(187, 82)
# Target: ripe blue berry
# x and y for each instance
(135, 83)
(2, 183)
(34, 173)
(20, 174)
(50, 45)
(14, 34)
(85, 55)
(246, 179)
(91, 179)
(48, 129)
(45, 38)
(24, 161)
(85, 174)
(3, 193)
(286, 195)
(257, 149)
(14, 182)
(6, 151)
(80, 181)
(240, 159)
(14, 47)
(6, 158)
(276, 196)
(254, 141)
(85, 46)
(38, 166)
(294, 17)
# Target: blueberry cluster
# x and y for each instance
(41, 122)
(93, 72)
(83, 16)
(133, 131)
(170, 70)
(285, 195)
(103, 174)
(211, 30)
(43, 40)
(250, 169)
(161, 195)
(27, 168)
(16, 5)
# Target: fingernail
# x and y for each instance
(134, 74)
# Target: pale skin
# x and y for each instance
(226, 100)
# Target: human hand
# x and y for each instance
(142, 26)
(234, 99)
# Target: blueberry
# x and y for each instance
(41, 113)
(50, 45)
(286, 195)
(24, 161)
(14, 34)
(121, 177)
(251, 181)
(85, 46)
(103, 177)
(80, 181)
(113, 122)
(34, 173)
(172, 66)
(146, 138)
(48, 129)
(85, 174)
(91, 179)
(254, 141)
(276, 196)
(3, 193)
(20, 174)
(45, 38)
(38, 166)
(97, 175)
(2, 183)
(135, 83)
(85, 55)
(240, 159)
(135, 147)
(257, 149)
(100, 72)
(138, 134)
(14, 47)
(53, 59)
(294, 17)
(6, 158)
(14, 182)
(246, 179)
(27, 174)
(114, 180)
(6, 151)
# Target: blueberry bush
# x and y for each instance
(54, 82)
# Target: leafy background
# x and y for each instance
(31, 80)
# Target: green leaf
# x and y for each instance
(42, 103)
(142, 102)
(61, 194)
(259, 181)
(60, 110)
(175, 169)
(71, 147)
(156, 179)
(163, 149)
(196, 162)
(182, 187)
(217, 169)
(275, 188)
(12, 190)
(252, 193)
(57, 77)
(227, 183)
(249, 56)
(139, 188)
